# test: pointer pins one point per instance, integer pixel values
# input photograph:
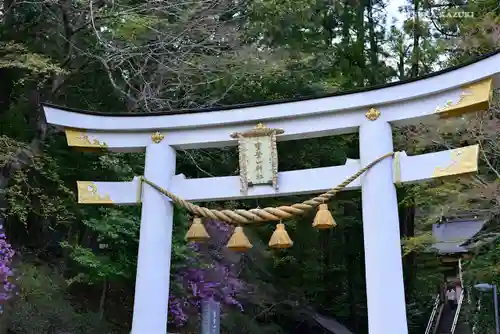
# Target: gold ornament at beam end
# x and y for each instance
(372, 114)
(197, 232)
(239, 241)
(324, 218)
(88, 194)
(79, 139)
(473, 97)
(157, 137)
(464, 161)
(280, 238)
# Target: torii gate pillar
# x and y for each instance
(155, 244)
(385, 292)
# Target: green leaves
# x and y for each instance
(114, 252)
(132, 27)
(17, 56)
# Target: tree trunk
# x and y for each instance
(373, 55)
(102, 301)
(360, 41)
(345, 43)
(416, 40)
(401, 67)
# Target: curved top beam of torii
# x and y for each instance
(451, 91)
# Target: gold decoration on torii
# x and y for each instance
(157, 137)
(372, 114)
(464, 161)
(473, 97)
(88, 193)
(79, 138)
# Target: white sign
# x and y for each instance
(258, 160)
(258, 157)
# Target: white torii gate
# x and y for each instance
(371, 112)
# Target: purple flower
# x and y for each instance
(205, 278)
(6, 273)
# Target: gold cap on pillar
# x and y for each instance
(197, 231)
(280, 238)
(324, 218)
(239, 241)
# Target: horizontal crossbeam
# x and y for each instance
(407, 169)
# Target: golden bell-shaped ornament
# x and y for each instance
(239, 241)
(280, 238)
(324, 218)
(197, 231)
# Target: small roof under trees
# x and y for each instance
(453, 234)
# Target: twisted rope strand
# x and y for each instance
(240, 216)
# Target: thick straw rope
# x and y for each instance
(260, 215)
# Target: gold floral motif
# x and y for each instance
(157, 137)
(87, 194)
(464, 160)
(372, 114)
(473, 97)
(79, 138)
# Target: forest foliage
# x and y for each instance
(67, 267)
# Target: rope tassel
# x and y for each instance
(239, 241)
(197, 232)
(324, 218)
(280, 238)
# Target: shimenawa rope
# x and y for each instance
(240, 216)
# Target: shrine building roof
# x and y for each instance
(452, 236)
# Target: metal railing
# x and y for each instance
(457, 312)
(437, 302)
